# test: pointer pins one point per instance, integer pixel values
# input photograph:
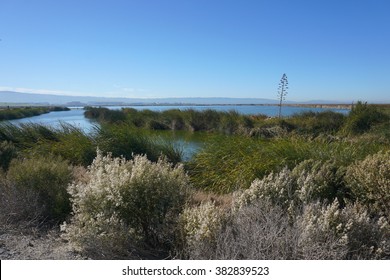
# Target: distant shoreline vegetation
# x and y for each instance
(234, 123)
(12, 113)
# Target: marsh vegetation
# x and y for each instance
(11, 113)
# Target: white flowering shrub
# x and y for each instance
(126, 204)
(319, 226)
(317, 180)
(279, 188)
(199, 227)
(331, 232)
(369, 181)
(308, 181)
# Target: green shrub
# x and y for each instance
(48, 177)
(125, 205)
(369, 181)
(363, 117)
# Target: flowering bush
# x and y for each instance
(369, 181)
(308, 181)
(317, 180)
(199, 228)
(320, 226)
(126, 204)
(279, 188)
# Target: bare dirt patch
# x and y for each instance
(35, 245)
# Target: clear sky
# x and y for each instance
(329, 49)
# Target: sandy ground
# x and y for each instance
(16, 245)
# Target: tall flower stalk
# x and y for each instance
(282, 92)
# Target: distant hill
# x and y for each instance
(50, 99)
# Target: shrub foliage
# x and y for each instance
(132, 203)
(47, 177)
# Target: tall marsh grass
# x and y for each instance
(231, 163)
(125, 140)
(193, 120)
(79, 147)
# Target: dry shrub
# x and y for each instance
(331, 232)
(260, 230)
(257, 231)
(263, 230)
(20, 207)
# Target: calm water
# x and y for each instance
(75, 117)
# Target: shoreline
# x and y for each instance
(302, 105)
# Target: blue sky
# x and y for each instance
(330, 50)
